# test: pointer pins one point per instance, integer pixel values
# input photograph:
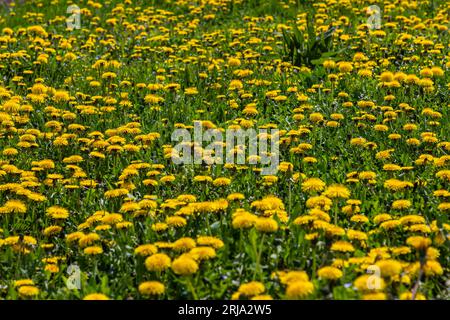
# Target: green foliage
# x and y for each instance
(174, 44)
(308, 50)
(269, 7)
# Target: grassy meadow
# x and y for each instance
(92, 205)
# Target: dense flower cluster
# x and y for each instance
(86, 171)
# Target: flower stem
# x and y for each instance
(191, 288)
